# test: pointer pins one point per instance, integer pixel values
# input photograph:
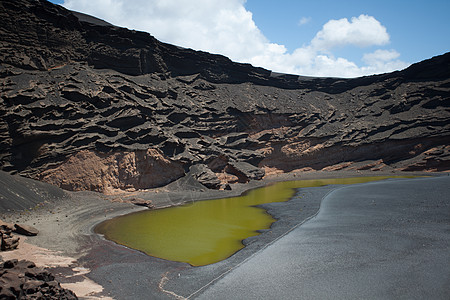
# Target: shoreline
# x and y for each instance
(67, 226)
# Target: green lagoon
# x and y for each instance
(205, 232)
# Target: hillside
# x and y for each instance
(85, 105)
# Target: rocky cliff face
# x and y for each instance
(86, 105)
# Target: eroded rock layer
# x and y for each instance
(89, 106)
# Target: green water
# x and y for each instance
(206, 232)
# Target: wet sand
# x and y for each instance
(66, 226)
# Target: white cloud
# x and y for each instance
(383, 61)
(216, 26)
(362, 31)
(227, 27)
(304, 20)
(380, 56)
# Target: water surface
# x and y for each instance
(205, 232)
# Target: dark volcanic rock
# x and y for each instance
(8, 241)
(25, 230)
(142, 202)
(23, 280)
(245, 171)
(205, 176)
(88, 105)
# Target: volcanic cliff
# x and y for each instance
(86, 105)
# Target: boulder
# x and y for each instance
(236, 136)
(7, 240)
(6, 225)
(25, 230)
(226, 187)
(142, 202)
(245, 171)
(218, 163)
(205, 176)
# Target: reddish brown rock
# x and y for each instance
(6, 225)
(8, 241)
(89, 170)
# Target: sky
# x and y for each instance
(346, 38)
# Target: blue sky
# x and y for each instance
(346, 38)
(419, 29)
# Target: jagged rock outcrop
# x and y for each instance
(23, 280)
(87, 105)
(8, 241)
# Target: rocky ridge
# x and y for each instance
(85, 105)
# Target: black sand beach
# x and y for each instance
(380, 240)
(66, 226)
